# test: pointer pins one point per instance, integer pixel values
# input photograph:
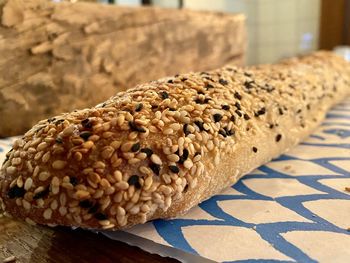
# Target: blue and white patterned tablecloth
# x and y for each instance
(293, 209)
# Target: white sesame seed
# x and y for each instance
(80, 194)
(118, 197)
(115, 144)
(188, 164)
(43, 176)
(20, 181)
(59, 164)
(54, 205)
(68, 131)
(122, 185)
(42, 146)
(98, 194)
(88, 144)
(155, 159)
(134, 210)
(26, 204)
(46, 157)
(62, 210)
(148, 183)
(28, 183)
(47, 214)
(63, 199)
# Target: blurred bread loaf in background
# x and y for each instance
(57, 57)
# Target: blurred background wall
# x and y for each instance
(276, 28)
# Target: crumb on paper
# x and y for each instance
(9, 259)
(347, 189)
(287, 167)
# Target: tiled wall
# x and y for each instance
(276, 28)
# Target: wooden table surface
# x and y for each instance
(42, 244)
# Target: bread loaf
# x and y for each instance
(161, 148)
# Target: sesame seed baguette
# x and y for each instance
(161, 148)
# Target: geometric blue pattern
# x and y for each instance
(336, 125)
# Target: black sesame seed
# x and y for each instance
(174, 168)
(238, 113)
(155, 168)
(208, 78)
(248, 84)
(223, 133)
(199, 125)
(134, 180)
(237, 96)
(246, 117)
(247, 74)
(237, 105)
(16, 192)
(217, 117)
(280, 111)
(73, 180)
(209, 86)
(86, 123)
(164, 95)
(225, 107)
(135, 147)
(138, 107)
(308, 107)
(198, 101)
(229, 132)
(184, 79)
(147, 151)
(255, 149)
(233, 118)
(298, 111)
(223, 81)
(184, 156)
(51, 120)
(86, 204)
(271, 126)
(185, 130)
(197, 153)
(262, 111)
(172, 109)
(94, 208)
(41, 194)
(100, 216)
(134, 127)
(58, 140)
(200, 92)
(154, 107)
(58, 121)
(278, 137)
(170, 81)
(85, 135)
(206, 100)
(186, 188)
